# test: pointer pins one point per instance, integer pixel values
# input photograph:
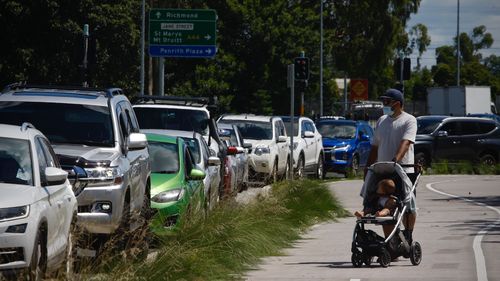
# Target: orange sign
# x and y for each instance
(359, 89)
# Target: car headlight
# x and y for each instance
(169, 196)
(14, 213)
(343, 147)
(102, 176)
(262, 150)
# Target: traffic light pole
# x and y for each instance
(291, 85)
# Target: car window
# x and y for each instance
(452, 128)
(188, 161)
(173, 118)
(15, 161)
(50, 156)
(228, 135)
(194, 146)
(254, 130)
(341, 131)
(205, 150)
(75, 123)
(309, 126)
(131, 118)
(42, 161)
(164, 157)
(485, 128)
(469, 128)
(427, 126)
(295, 127)
(281, 128)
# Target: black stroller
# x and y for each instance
(367, 244)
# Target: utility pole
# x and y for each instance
(86, 35)
(458, 42)
(291, 85)
(143, 30)
(321, 63)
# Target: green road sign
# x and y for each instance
(182, 32)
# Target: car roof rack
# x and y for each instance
(171, 100)
(26, 125)
(108, 92)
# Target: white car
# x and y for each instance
(308, 156)
(269, 156)
(37, 205)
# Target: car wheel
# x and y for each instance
(488, 159)
(37, 267)
(353, 169)
(274, 173)
(422, 160)
(68, 266)
(300, 167)
(320, 171)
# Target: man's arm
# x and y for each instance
(404, 145)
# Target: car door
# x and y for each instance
(133, 158)
(58, 218)
(458, 143)
(311, 143)
(282, 146)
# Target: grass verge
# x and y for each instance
(234, 237)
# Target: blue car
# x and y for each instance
(346, 144)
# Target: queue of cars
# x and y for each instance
(89, 159)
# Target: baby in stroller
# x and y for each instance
(387, 195)
(383, 202)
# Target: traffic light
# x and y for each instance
(301, 68)
(406, 69)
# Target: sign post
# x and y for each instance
(182, 33)
(291, 85)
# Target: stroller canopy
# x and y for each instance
(381, 170)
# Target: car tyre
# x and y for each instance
(300, 167)
(274, 173)
(320, 168)
(422, 160)
(354, 168)
(488, 160)
(36, 269)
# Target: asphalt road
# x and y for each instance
(458, 226)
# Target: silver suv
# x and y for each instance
(95, 129)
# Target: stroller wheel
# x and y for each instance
(368, 260)
(385, 257)
(415, 253)
(356, 260)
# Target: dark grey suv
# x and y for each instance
(457, 139)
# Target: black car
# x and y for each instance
(457, 139)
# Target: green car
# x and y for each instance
(176, 183)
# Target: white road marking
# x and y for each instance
(354, 279)
(482, 274)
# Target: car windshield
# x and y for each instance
(295, 127)
(173, 119)
(62, 122)
(228, 135)
(337, 131)
(15, 161)
(427, 126)
(254, 130)
(194, 146)
(164, 157)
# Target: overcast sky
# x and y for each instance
(440, 17)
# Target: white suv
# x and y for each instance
(308, 156)
(38, 206)
(95, 129)
(269, 156)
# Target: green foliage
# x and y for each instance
(463, 167)
(234, 237)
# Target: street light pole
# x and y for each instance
(458, 42)
(143, 30)
(321, 62)
(86, 35)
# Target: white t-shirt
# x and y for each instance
(389, 133)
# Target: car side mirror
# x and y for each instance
(55, 176)
(196, 174)
(247, 145)
(282, 139)
(232, 150)
(308, 134)
(214, 161)
(365, 138)
(137, 141)
(442, 134)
